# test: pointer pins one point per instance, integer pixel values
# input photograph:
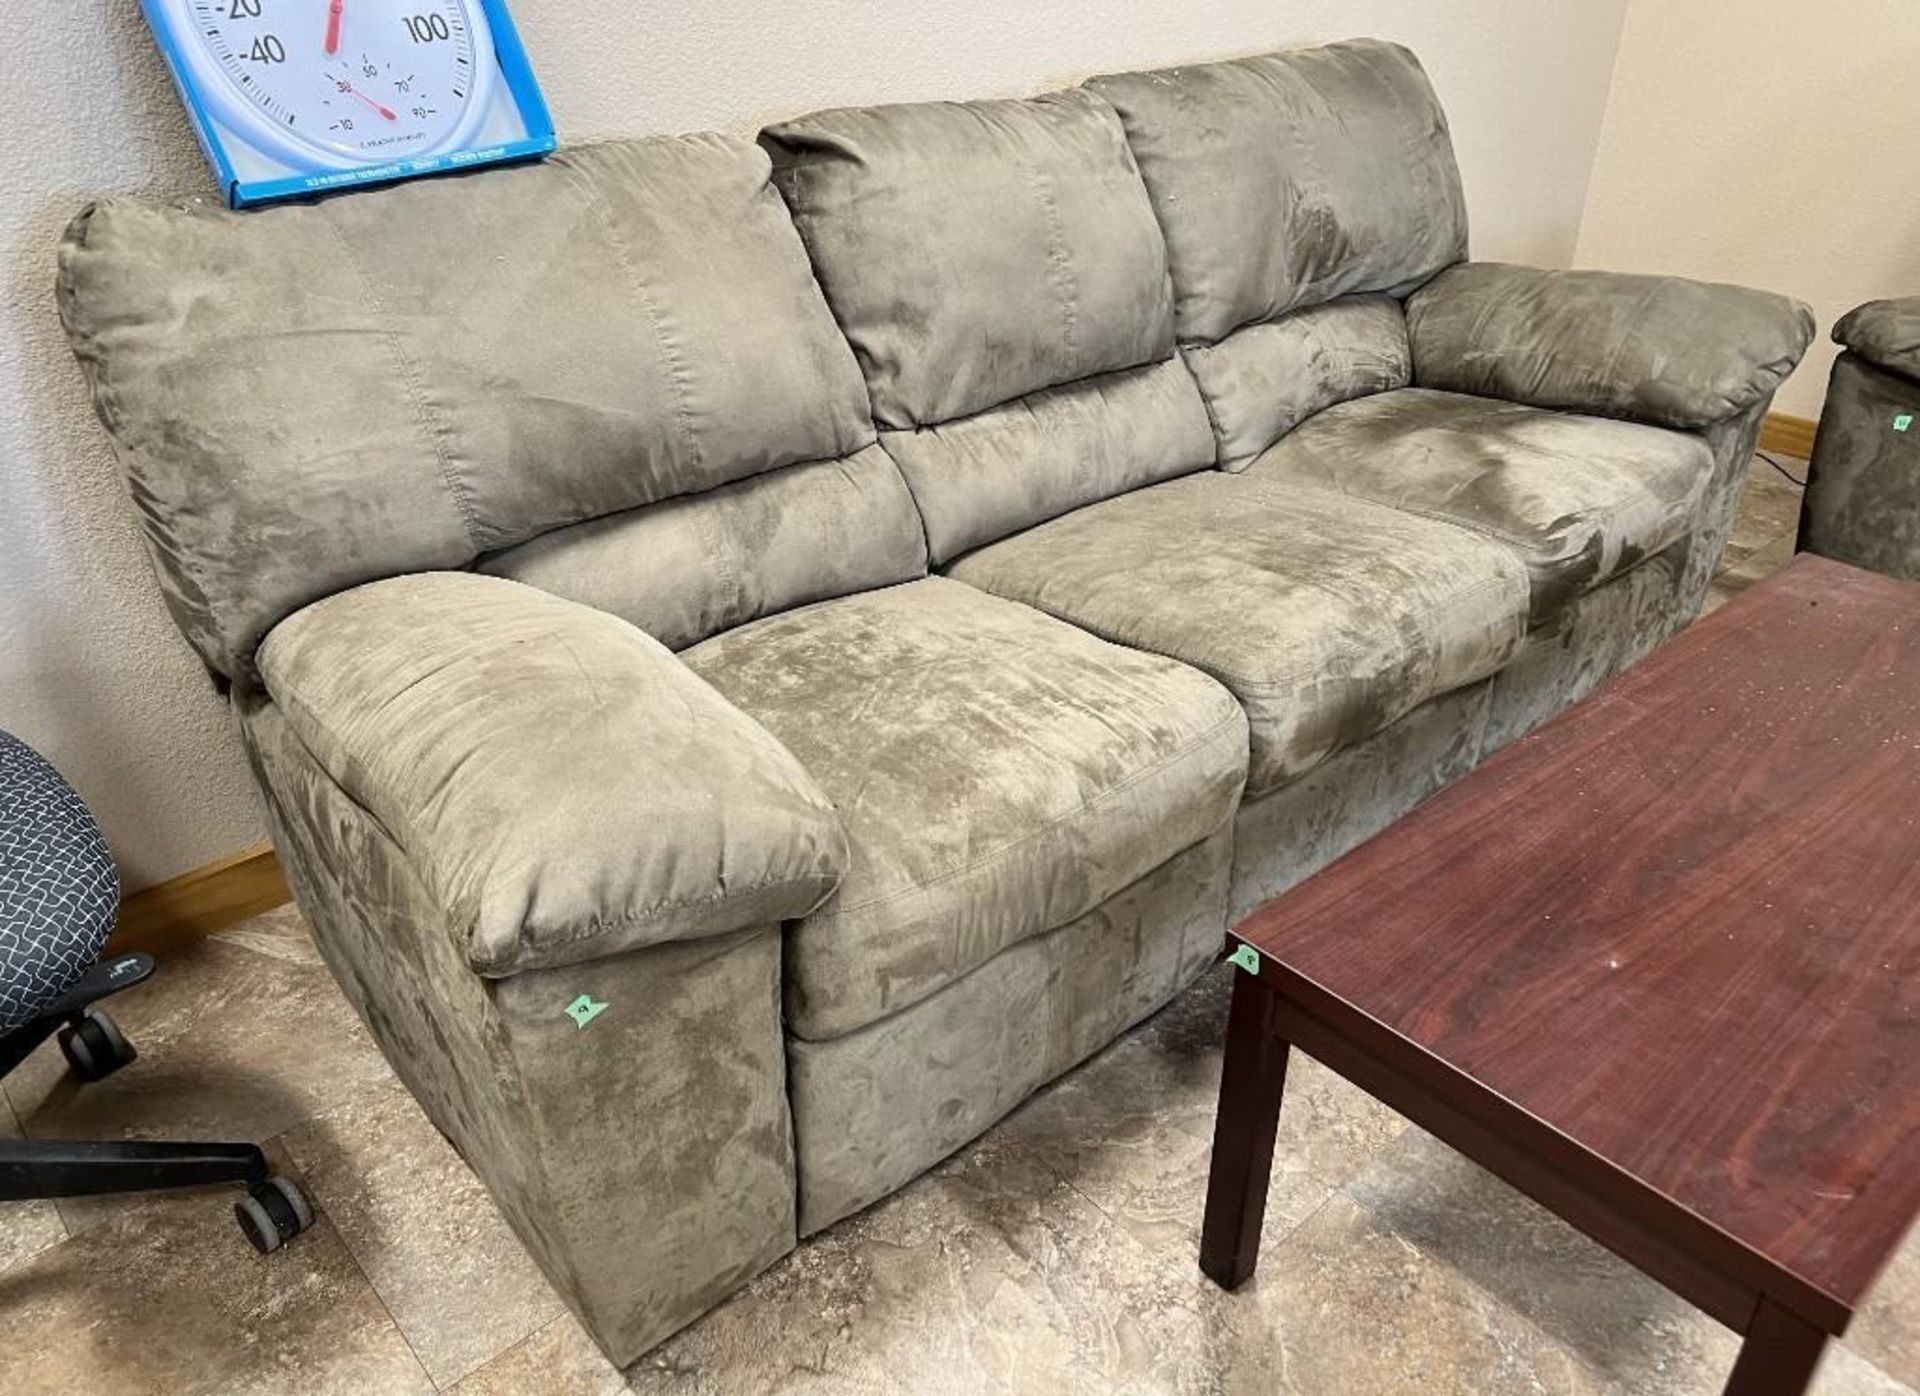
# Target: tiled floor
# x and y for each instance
(1055, 1255)
(1763, 534)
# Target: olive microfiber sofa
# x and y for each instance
(760, 656)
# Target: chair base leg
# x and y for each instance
(274, 1209)
(273, 1212)
(59, 1168)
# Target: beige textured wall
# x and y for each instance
(1768, 142)
(91, 670)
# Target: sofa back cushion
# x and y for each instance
(999, 272)
(977, 479)
(976, 251)
(1291, 178)
(688, 568)
(315, 396)
(1264, 379)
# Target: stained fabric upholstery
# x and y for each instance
(687, 568)
(998, 270)
(1264, 379)
(645, 1159)
(977, 251)
(1594, 637)
(863, 1126)
(313, 396)
(1884, 333)
(1578, 498)
(994, 473)
(1863, 484)
(998, 775)
(1284, 836)
(1326, 615)
(564, 787)
(875, 1108)
(493, 799)
(1657, 349)
(1291, 178)
(1288, 834)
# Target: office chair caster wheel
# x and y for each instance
(272, 1214)
(95, 1047)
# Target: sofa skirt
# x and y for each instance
(875, 1108)
(1287, 834)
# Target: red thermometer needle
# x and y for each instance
(333, 25)
(387, 112)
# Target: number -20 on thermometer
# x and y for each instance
(296, 97)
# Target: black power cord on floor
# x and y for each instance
(1797, 481)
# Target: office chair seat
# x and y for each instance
(59, 893)
(58, 887)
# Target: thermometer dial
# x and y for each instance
(342, 83)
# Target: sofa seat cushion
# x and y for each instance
(1580, 499)
(1326, 615)
(998, 775)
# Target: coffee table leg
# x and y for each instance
(1251, 1081)
(1779, 1356)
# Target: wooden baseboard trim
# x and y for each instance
(198, 903)
(1788, 435)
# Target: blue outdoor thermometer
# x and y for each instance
(297, 96)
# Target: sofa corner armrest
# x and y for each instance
(1885, 333)
(1656, 349)
(562, 783)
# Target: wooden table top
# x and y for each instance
(1679, 925)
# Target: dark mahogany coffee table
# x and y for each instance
(1657, 965)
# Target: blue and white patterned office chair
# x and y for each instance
(59, 893)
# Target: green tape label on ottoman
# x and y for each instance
(584, 1010)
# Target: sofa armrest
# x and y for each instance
(1656, 349)
(1884, 333)
(563, 785)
